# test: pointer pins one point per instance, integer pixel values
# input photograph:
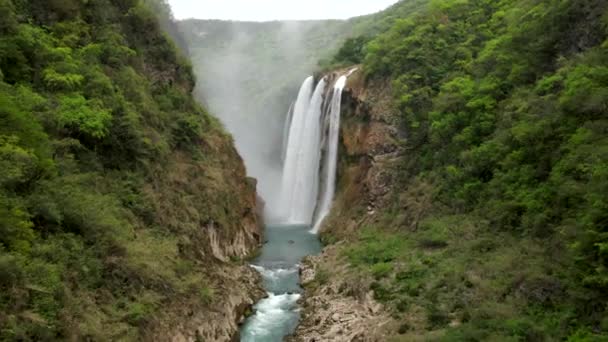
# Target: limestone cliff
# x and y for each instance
(338, 305)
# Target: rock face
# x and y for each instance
(238, 291)
(336, 308)
(337, 304)
(223, 226)
(369, 147)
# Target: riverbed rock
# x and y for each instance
(334, 308)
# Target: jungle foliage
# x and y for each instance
(505, 109)
(94, 100)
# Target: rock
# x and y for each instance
(330, 316)
(307, 271)
(240, 288)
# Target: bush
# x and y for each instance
(83, 116)
(381, 270)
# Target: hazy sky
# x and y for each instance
(264, 10)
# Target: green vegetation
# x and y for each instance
(107, 171)
(362, 29)
(505, 107)
(456, 275)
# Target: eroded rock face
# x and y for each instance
(369, 138)
(239, 291)
(337, 308)
(215, 210)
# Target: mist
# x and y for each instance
(268, 10)
(248, 76)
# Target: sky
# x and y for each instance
(266, 10)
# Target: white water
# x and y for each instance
(294, 139)
(331, 156)
(300, 183)
(277, 315)
(314, 126)
(286, 131)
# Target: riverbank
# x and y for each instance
(338, 305)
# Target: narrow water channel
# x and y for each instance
(277, 315)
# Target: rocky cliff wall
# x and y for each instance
(338, 305)
(216, 206)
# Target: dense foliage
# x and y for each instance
(505, 108)
(95, 106)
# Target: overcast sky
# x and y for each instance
(265, 10)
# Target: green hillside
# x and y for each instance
(107, 171)
(498, 230)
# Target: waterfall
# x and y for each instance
(314, 126)
(300, 171)
(286, 131)
(331, 156)
(292, 144)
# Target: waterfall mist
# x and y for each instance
(248, 74)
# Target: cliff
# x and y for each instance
(338, 303)
(125, 210)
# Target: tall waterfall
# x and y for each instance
(331, 156)
(300, 170)
(314, 127)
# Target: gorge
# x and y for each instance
(313, 126)
(459, 143)
(437, 171)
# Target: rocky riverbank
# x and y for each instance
(239, 289)
(337, 307)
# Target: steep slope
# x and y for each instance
(472, 200)
(124, 206)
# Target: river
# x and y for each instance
(277, 315)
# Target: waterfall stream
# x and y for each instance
(331, 155)
(314, 127)
(310, 157)
(278, 314)
(301, 169)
